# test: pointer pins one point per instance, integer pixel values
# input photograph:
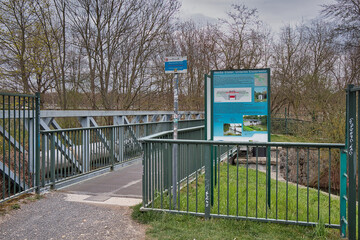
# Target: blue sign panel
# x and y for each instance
(240, 105)
(175, 65)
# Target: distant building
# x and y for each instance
(252, 122)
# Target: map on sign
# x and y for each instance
(232, 95)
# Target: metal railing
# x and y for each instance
(30, 159)
(293, 183)
(68, 153)
(19, 117)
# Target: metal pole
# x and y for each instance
(351, 151)
(37, 142)
(175, 146)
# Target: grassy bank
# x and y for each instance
(172, 226)
(244, 195)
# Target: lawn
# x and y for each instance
(255, 128)
(245, 195)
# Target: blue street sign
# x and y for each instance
(176, 65)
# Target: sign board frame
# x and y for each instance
(235, 100)
(175, 64)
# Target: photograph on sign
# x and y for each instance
(232, 129)
(232, 95)
(240, 105)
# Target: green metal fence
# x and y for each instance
(230, 180)
(19, 122)
(352, 147)
(31, 159)
(68, 153)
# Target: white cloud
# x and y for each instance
(276, 13)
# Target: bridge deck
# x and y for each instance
(120, 187)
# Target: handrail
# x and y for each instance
(111, 126)
(150, 137)
(270, 144)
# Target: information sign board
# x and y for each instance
(176, 65)
(241, 105)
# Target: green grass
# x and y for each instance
(249, 199)
(255, 128)
(287, 138)
(173, 226)
(287, 202)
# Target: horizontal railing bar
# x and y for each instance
(32, 189)
(171, 131)
(86, 113)
(262, 144)
(55, 114)
(112, 126)
(17, 95)
(144, 209)
(354, 89)
(292, 222)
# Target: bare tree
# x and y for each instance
(242, 42)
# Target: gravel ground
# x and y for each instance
(54, 218)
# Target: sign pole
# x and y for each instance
(175, 146)
(175, 65)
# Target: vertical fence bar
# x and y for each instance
(343, 196)
(43, 160)
(37, 142)
(307, 185)
(3, 145)
(52, 160)
(356, 168)
(297, 184)
(277, 180)
(237, 179)
(14, 127)
(9, 146)
(351, 121)
(318, 185)
(329, 186)
(227, 180)
(207, 181)
(112, 154)
(23, 137)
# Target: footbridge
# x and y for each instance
(51, 148)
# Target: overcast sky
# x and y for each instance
(276, 13)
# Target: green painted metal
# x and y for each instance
(268, 155)
(351, 155)
(18, 136)
(52, 160)
(343, 194)
(208, 166)
(37, 142)
(229, 199)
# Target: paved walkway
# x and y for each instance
(121, 187)
(93, 209)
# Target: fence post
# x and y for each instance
(144, 174)
(52, 160)
(112, 148)
(37, 142)
(351, 154)
(286, 130)
(208, 167)
(343, 196)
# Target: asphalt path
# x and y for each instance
(97, 208)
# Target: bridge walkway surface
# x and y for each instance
(97, 208)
